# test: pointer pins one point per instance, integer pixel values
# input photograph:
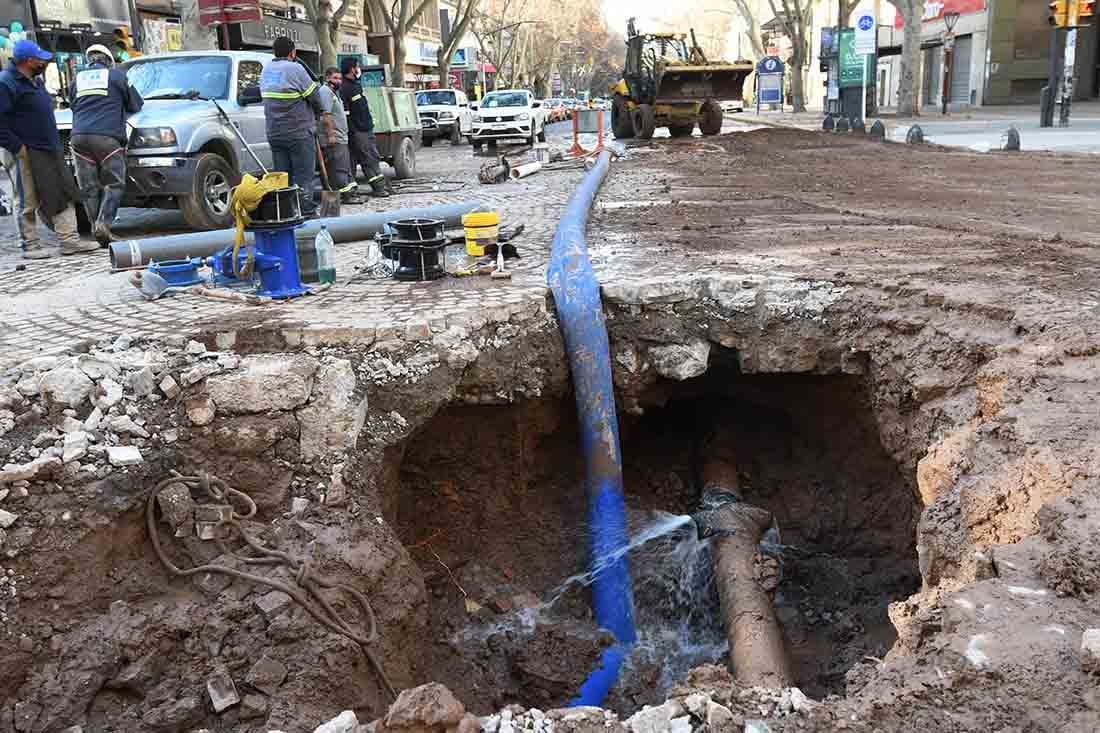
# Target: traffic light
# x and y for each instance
(1059, 13)
(1085, 9)
(124, 45)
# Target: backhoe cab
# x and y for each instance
(669, 83)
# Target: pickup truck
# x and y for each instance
(509, 113)
(182, 154)
(444, 113)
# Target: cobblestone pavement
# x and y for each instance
(52, 305)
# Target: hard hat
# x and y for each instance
(98, 48)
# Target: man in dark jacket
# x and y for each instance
(361, 128)
(101, 99)
(28, 130)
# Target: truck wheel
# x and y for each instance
(476, 143)
(645, 121)
(428, 142)
(710, 122)
(681, 130)
(207, 206)
(456, 135)
(405, 160)
(621, 123)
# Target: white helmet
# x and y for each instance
(100, 49)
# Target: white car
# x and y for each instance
(509, 113)
(444, 113)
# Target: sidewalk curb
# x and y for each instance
(890, 126)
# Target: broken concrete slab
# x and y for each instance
(222, 691)
(334, 417)
(124, 455)
(36, 469)
(272, 604)
(266, 675)
(66, 386)
(76, 446)
(680, 361)
(200, 410)
(265, 383)
(428, 706)
(345, 722)
(1090, 651)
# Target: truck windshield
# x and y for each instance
(435, 97)
(181, 77)
(505, 99)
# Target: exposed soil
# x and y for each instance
(897, 346)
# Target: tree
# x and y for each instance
(464, 16)
(752, 25)
(912, 13)
(399, 19)
(794, 17)
(196, 37)
(497, 29)
(326, 22)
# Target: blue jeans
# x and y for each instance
(298, 158)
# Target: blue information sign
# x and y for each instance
(769, 81)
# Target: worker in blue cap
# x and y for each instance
(28, 130)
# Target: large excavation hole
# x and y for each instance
(492, 507)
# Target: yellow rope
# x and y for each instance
(246, 197)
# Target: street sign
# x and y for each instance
(217, 12)
(769, 82)
(866, 38)
(852, 64)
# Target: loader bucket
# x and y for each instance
(696, 83)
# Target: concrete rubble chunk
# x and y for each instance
(124, 455)
(345, 722)
(66, 386)
(122, 343)
(7, 519)
(142, 382)
(70, 425)
(222, 691)
(655, 719)
(800, 702)
(177, 508)
(264, 383)
(298, 505)
(253, 706)
(200, 372)
(334, 417)
(28, 386)
(38, 468)
(680, 725)
(272, 604)
(169, 387)
(1090, 651)
(428, 706)
(94, 419)
(680, 361)
(112, 394)
(97, 368)
(125, 425)
(718, 717)
(76, 446)
(200, 410)
(194, 348)
(267, 674)
(757, 726)
(45, 438)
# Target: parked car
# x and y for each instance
(444, 113)
(733, 105)
(182, 154)
(509, 113)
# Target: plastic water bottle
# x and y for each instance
(326, 256)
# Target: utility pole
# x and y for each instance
(949, 20)
(1068, 15)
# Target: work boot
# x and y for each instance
(78, 247)
(378, 188)
(36, 252)
(103, 235)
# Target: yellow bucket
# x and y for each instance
(482, 230)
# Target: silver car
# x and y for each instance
(181, 152)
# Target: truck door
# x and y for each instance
(249, 119)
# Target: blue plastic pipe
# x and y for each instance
(580, 312)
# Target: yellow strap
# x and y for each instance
(246, 197)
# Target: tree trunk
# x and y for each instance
(910, 76)
(325, 42)
(196, 37)
(444, 65)
(399, 58)
(798, 80)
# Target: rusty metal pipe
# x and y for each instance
(756, 654)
